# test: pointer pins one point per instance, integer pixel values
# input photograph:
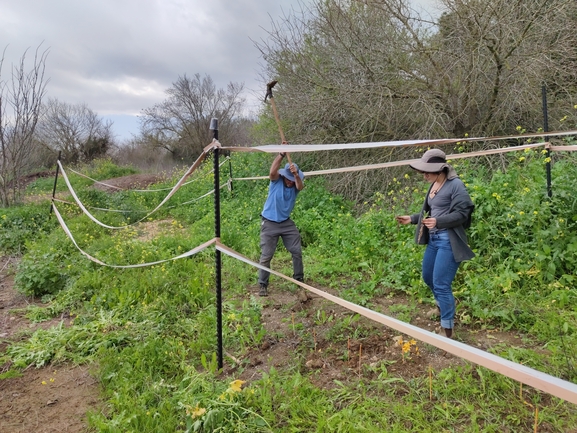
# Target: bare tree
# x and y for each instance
(75, 130)
(20, 106)
(375, 69)
(137, 152)
(492, 57)
(181, 123)
(345, 73)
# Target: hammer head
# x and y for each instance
(269, 87)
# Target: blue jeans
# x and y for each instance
(439, 270)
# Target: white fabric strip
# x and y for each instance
(563, 148)
(78, 202)
(144, 211)
(405, 162)
(140, 265)
(279, 148)
(192, 168)
(547, 383)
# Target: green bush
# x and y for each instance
(24, 223)
(40, 273)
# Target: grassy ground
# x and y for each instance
(150, 332)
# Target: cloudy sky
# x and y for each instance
(119, 56)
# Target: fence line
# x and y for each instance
(545, 382)
(138, 190)
(292, 148)
(176, 187)
(138, 265)
(409, 161)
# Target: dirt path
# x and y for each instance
(55, 398)
(305, 331)
(45, 400)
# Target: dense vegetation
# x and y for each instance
(151, 331)
(379, 70)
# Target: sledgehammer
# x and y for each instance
(269, 95)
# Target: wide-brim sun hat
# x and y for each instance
(285, 172)
(432, 161)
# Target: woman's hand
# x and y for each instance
(430, 222)
(403, 219)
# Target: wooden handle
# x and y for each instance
(282, 137)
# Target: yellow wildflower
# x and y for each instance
(236, 385)
(197, 412)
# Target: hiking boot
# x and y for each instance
(446, 332)
(263, 290)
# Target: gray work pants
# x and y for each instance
(291, 238)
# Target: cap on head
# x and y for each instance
(285, 172)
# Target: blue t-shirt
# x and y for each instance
(280, 201)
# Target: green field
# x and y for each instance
(150, 332)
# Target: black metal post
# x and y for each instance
(55, 182)
(218, 260)
(546, 129)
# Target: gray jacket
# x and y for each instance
(455, 221)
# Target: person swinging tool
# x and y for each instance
(285, 185)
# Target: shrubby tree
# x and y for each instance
(75, 130)
(495, 55)
(341, 73)
(180, 124)
(374, 70)
(20, 106)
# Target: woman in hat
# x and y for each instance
(441, 225)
